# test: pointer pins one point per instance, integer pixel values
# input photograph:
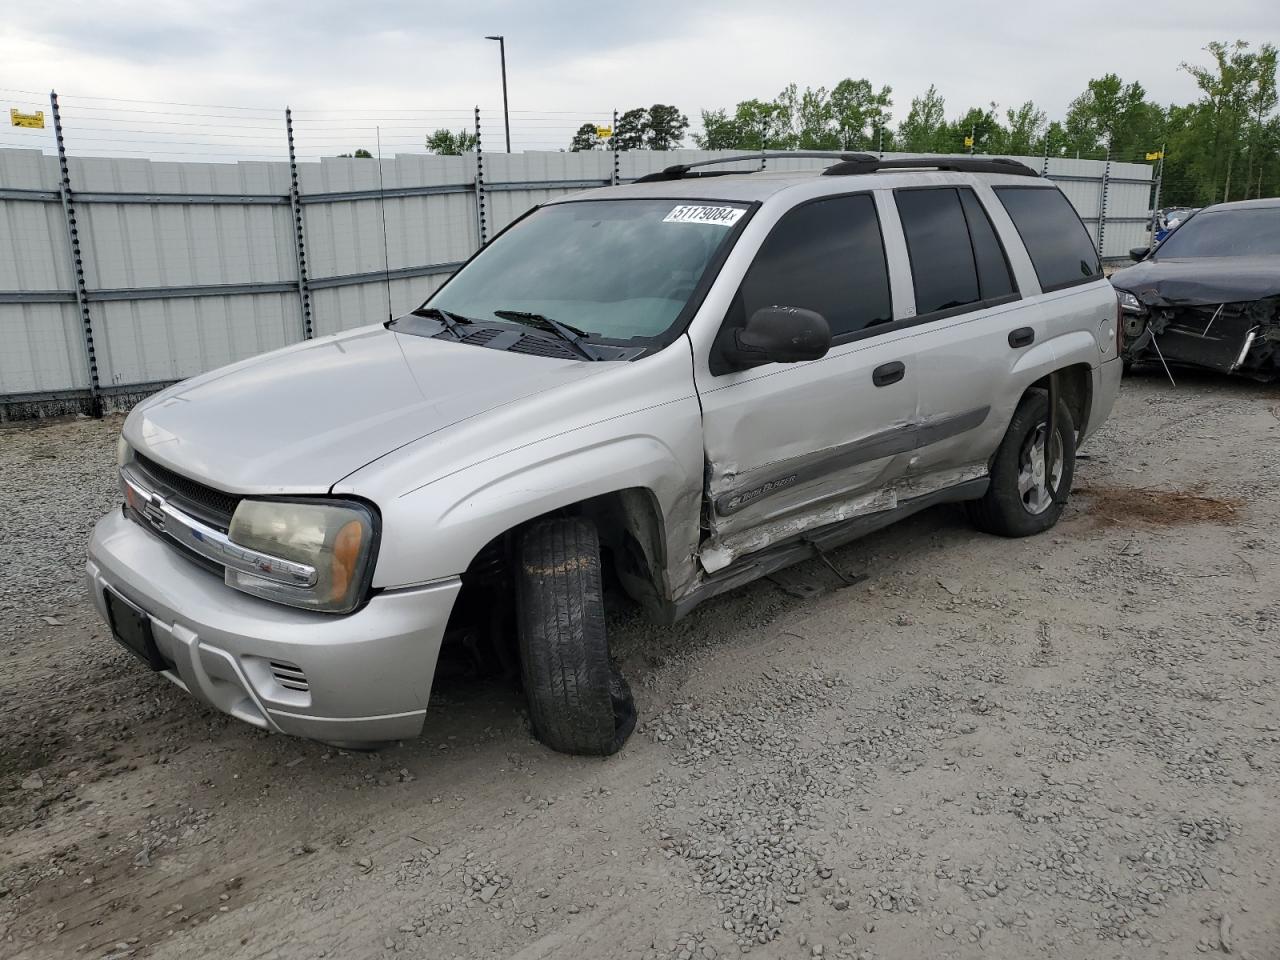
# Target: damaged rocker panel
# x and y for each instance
(811, 466)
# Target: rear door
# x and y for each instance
(792, 446)
(968, 300)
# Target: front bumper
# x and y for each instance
(366, 676)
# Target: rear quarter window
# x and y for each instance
(1060, 247)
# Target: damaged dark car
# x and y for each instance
(1209, 294)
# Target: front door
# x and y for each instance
(795, 446)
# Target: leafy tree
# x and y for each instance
(666, 127)
(587, 139)
(360, 154)
(924, 128)
(631, 129)
(1238, 92)
(659, 127)
(858, 112)
(447, 143)
(719, 131)
(1026, 128)
(1112, 115)
(988, 135)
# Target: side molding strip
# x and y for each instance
(886, 443)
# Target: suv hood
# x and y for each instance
(300, 419)
(1201, 280)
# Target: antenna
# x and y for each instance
(382, 209)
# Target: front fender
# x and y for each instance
(435, 530)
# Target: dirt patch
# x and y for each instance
(1133, 506)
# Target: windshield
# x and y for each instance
(614, 269)
(1226, 233)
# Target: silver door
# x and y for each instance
(792, 447)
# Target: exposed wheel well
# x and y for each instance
(633, 545)
(1075, 389)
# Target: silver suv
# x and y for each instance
(676, 386)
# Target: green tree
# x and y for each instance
(630, 131)
(447, 143)
(1026, 129)
(1238, 93)
(858, 112)
(360, 154)
(923, 130)
(1114, 115)
(587, 139)
(666, 127)
(988, 135)
(719, 131)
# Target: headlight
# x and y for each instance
(338, 539)
(1129, 302)
(123, 453)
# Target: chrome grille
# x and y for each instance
(212, 506)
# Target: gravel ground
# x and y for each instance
(1061, 747)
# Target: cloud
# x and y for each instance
(573, 61)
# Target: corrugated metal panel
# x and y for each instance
(40, 348)
(342, 308)
(145, 341)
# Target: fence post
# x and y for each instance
(481, 219)
(1044, 167)
(77, 260)
(299, 239)
(1155, 201)
(1102, 204)
(616, 178)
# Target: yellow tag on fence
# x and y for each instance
(604, 133)
(968, 141)
(20, 119)
(1158, 155)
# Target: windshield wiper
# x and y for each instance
(452, 321)
(574, 336)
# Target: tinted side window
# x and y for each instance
(994, 278)
(942, 267)
(1057, 242)
(826, 256)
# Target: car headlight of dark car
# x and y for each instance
(1129, 303)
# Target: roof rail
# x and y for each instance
(853, 164)
(680, 170)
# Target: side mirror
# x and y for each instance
(1139, 253)
(779, 335)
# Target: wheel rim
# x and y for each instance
(1036, 486)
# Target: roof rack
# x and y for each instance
(853, 164)
(681, 170)
(848, 164)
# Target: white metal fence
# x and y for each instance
(120, 275)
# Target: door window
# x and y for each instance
(956, 257)
(826, 256)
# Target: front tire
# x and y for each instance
(1023, 499)
(578, 701)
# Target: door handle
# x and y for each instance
(888, 373)
(1022, 337)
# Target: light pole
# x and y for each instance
(506, 117)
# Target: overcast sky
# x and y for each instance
(571, 61)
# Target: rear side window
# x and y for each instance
(956, 258)
(994, 277)
(826, 256)
(1057, 242)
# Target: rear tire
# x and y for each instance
(578, 701)
(1022, 500)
